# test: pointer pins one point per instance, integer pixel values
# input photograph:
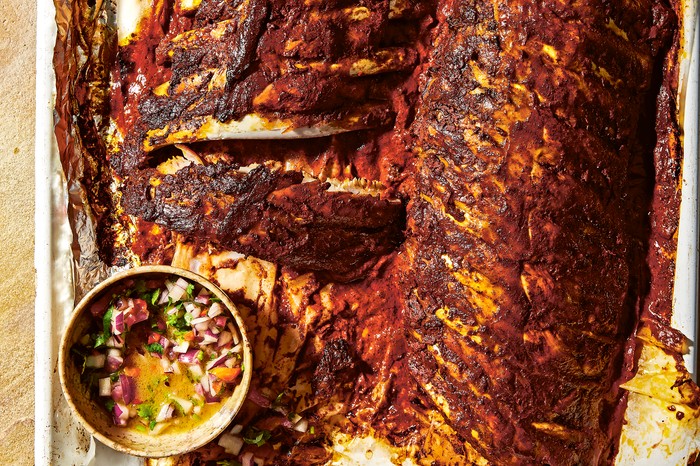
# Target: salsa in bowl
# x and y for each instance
(155, 361)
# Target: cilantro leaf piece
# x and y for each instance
(256, 437)
(190, 291)
(145, 411)
(155, 348)
(155, 296)
(109, 404)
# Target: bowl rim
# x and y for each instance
(82, 306)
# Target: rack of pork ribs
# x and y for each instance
(484, 180)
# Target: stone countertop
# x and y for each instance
(17, 72)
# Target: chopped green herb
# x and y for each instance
(155, 348)
(214, 299)
(312, 430)
(278, 400)
(106, 328)
(200, 355)
(145, 411)
(114, 377)
(140, 428)
(109, 404)
(155, 296)
(228, 463)
(188, 318)
(140, 287)
(256, 437)
(189, 291)
(152, 425)
(107, 320)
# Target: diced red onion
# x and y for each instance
(121, 304)
(203, 298)
(115, 341)
(182, 347)
(193, 309)
(237, 429)
(287, 423)
(196, 370)
(234, 333)
(198, 389)
(237, 349)
(137, 312)
(186, 405)
(190, 356)
(200, 320)
(230, 362)
(217, 362)
(221, 321)
(121, 414)
(208, 338)
(128, 388)
(212, 390)
(209, 398)
(165, 364)
(95, 361)
(105, 386)
(117, 323)
(166, 412)
(206, 384)
(302, 426)
(216, 309)
(201, 327)
(224, 338)
(114, 363)
(117, 393)
(257, 398)
(163, 298)
(165, 343)
(179, 289)
(176, 367)
(231, 443)
(247, 458)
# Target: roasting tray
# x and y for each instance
(58, 440)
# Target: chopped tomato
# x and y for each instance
(189, 336)
(132, 371)
(154, 337)
(227, 374)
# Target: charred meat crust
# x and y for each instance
(271, 214)
(299, 61)
(517, 312)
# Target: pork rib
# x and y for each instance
(523, 260)
(276, 215)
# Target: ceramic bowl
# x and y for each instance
(99, 422)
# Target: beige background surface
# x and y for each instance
(17, 53)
